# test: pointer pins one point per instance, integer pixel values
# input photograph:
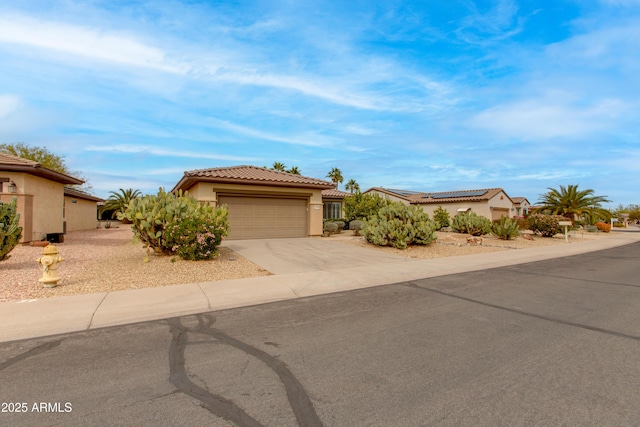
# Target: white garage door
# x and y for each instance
(265, 217)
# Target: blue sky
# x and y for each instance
(425, 95)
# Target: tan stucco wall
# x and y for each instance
(80, 215)
(500, 200)
(206, 191)
(40, 204)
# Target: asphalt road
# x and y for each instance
(548, 343)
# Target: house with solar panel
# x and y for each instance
(492, 203)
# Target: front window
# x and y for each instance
(332, 210)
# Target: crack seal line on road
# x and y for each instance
(524, 313)
(39, 349)
(299, 400)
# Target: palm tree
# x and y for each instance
(352, 186)
(335, 175)
(279, 167)
(294, 170)
(118, 202)
(573, 203)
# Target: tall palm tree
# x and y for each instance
(279, 167)
(294, 170)
(335, 175)
(118, 201)
(573, 203)
(352, 186)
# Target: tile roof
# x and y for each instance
(456, 196)
(72, 192)
(250, 175)
(17, 164)
(519, 199)
(334, 192)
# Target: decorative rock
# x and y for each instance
(474, 241)
(527, 237)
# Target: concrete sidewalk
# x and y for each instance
(50, 316)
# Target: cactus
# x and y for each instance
(505, 229)
(166, 222)
(471, 223)
(399, 225)
(10, 231)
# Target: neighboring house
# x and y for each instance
(333, 203)
(40, 194)
(521, 205)
(80, 210)
(492, 203)
(262, 203)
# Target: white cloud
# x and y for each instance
(147, 149)
(8, 104)
(541, 118)
(86, 42)
(310, 140)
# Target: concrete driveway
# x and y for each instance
(301, 255)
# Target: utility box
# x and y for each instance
(55, 237)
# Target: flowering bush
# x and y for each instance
(603, 226)
(545, 225)
(196, 238)
(177, 224)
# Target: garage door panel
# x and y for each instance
(264, 217)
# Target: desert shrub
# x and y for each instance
(362, 206)
(356, 225)
(330, 227)
(340, 225)
(10, 231)
(505, 228)
(399, 225)
(197, 238)
(177, 224)
(591, 228)
(471, 223)
(546, 225)
(603, 226)
(523, 223)
(441, 217)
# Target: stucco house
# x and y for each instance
(262, 203)
(521, 205)
(41, 200)
(492, 203)
(333, 203)
(80, 210)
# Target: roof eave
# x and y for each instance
(43, 173)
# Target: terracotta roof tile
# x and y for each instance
(18, 164)
(473, 196)
(334, 192)
(250, 175)
(72, 192)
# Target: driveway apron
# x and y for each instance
(301, 255)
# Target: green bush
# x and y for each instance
(441, 216)
(505, 229)
(10, 231)
(362, 206)
(545, 225)
(399, 225)
(471, 223)
(177, 224)
(356, 225)
(330, 227)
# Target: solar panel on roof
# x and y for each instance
(455, 194)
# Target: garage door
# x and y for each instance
(265, 217)
(498, 213)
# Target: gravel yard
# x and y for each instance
(105, 260)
